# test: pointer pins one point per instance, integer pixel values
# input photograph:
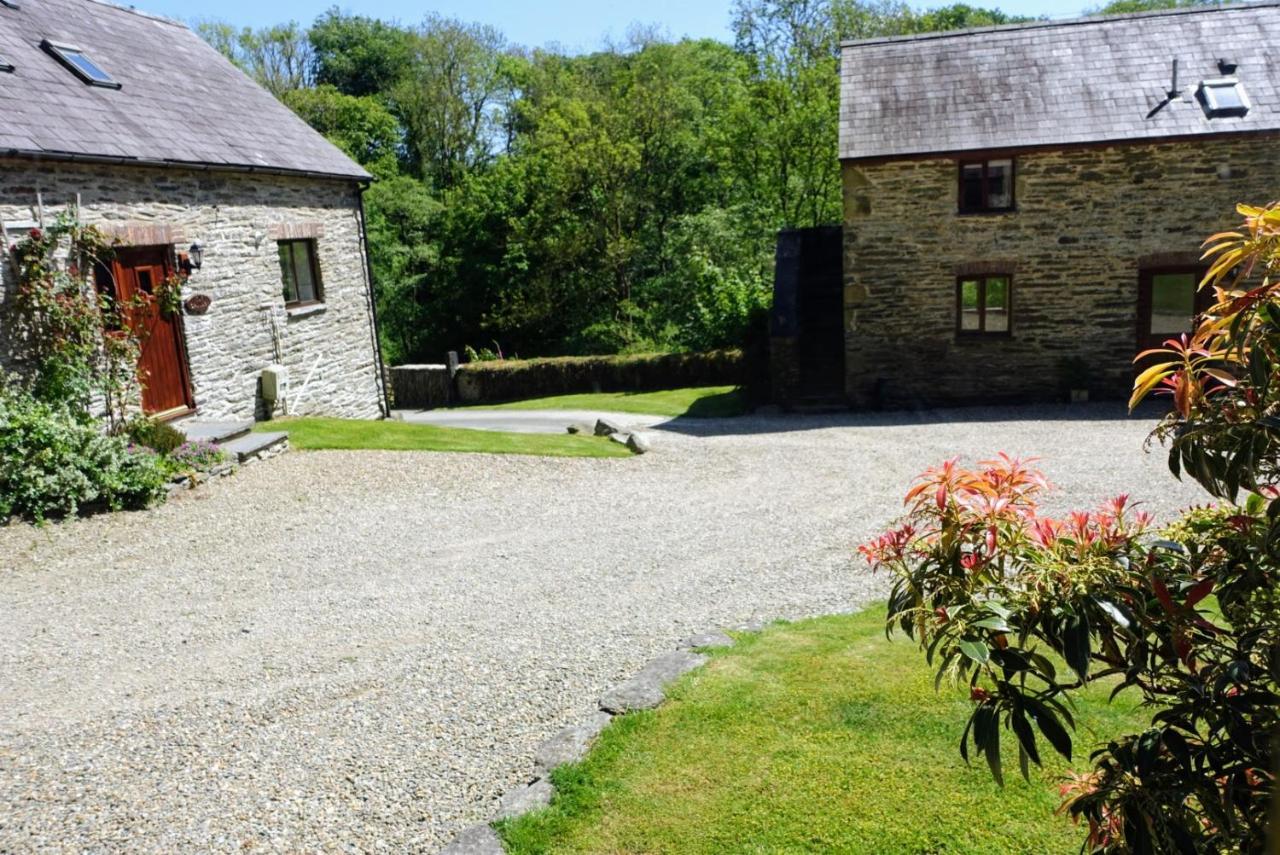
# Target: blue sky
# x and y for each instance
(575, 24)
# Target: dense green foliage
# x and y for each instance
(815, 737)
(535, 203)
(1188, 617)
(55, 460)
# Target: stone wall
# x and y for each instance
(237, 218)
(1087, 221)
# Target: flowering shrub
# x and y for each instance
(1187, 617)
(79, 343)
(199, 455)
(55, 461)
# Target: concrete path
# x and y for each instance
(525, 421)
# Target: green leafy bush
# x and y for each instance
(157, 436)
(54, 462)
(1187, 618)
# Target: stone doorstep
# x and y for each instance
(253, 444)
(242, 451)
(646, 690)
(211, 431)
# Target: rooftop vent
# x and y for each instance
(5, 65)
(1226, 67)
(1223, 97)
(9, 4)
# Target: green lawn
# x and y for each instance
(819, 736)
(708, 402)
(348, 434)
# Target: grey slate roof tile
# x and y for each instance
(181, 101)
(1054, 83)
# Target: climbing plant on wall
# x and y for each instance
(76, 344)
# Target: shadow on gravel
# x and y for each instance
(1068, 414)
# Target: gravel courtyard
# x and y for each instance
(360, 651)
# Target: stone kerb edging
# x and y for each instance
(646, 690)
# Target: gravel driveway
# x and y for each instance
(360, 651)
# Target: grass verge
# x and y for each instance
(819, 736)
(352, 434)
(708, 402)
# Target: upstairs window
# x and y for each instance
(300, 273)
(986, 186)
(983, 304)
(80, 64)
(1223, 97)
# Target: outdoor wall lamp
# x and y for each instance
(193, 259)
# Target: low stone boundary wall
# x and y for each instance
(420, 387)
(428, 386)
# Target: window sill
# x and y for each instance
(302, 310)
(986, 212)
(976, 337)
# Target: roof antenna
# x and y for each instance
(1172, 95)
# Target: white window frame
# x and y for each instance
(1215, 110)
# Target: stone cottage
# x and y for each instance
(1024, 205)
(151, 134)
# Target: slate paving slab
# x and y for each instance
(645, 690)
(570, 745)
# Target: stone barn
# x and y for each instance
(1024, 205)
(146, 131)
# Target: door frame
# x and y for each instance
(166, 254)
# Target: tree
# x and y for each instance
(361, 126)
(1124, 7)
(1188, 619)
(451, 99)
(278, 58)
(403, 228)
(359, 56)
(790, 135)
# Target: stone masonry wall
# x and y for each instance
(237, 218)
(1087, 221)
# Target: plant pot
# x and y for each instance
(1079, 396)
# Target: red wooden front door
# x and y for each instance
(162, 367)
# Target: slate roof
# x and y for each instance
(1055, 83)
(181, 101)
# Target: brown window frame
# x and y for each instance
(1202, 300)
(982, 331)
(986, 208)
(314, 257)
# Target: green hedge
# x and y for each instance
(513, 380)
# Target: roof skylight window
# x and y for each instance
(9, 4)
(5, 65)
(1222, 97)
(79, 63)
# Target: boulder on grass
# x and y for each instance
(605, 427)
(639, 443)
